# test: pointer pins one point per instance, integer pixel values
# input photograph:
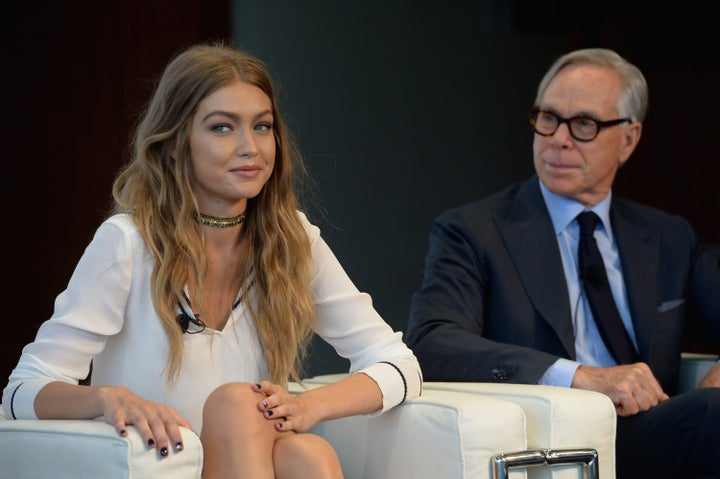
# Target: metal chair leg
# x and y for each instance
(587, 458)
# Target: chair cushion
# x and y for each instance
(68, 449)
(441, 434)
(557, 418)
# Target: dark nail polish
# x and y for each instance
(280, 425)
(257, 386)
(123, 433)
(269, 413)
(264, 404)
(178, 446)
(164, 451)
(151, 442)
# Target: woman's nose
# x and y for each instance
(246, 146)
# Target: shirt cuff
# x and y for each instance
(396, 382)
(21, 398)
(561, 373)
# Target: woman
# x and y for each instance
(197, 297)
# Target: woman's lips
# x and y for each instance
(247, 171)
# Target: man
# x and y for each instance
(505, 296)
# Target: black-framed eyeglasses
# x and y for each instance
(582, 128)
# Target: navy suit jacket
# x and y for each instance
(494, 306)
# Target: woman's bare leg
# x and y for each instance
(237, 439)
(239, 442)
(305, 455)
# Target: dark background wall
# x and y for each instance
(402, 109)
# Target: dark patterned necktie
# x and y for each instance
(599, 295)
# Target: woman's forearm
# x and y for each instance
(356, 394)
(59, 400)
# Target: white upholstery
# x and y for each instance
(441, 434)
(79, 449)
(556, 418)
(453, 431)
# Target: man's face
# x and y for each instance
(583, 171)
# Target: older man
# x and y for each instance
(520, 287)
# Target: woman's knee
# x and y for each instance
(233, 401)
(305, 455)
(235, 435)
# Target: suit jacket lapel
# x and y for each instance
(531, 242)
(639, 249)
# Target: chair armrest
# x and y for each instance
(557, 418)
(70, 448)
(694, 367)
(441, 434)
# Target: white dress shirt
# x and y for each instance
(590, 348)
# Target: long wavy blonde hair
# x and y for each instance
(154, 188)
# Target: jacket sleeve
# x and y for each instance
(471, 319)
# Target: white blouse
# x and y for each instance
(106, 315)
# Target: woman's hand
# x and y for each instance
(353, 395)
(157, 424)
(293, 411)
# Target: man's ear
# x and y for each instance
(630, 140)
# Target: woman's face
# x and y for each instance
(232, 148)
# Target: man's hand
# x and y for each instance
(712, 378)
(632, 387)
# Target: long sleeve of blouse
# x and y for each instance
(105, 316)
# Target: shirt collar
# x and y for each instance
(563, 210)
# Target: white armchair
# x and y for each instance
(453, 431)
(558, 419)
(442, 434)
(568, 433)
(88, 449)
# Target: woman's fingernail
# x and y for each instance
(123, 433)
(164, 452)
(280, 425)
(264, 404)
(269, 413)
(151, 442)
(257, 386)
(178, 446)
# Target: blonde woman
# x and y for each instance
(196, 298)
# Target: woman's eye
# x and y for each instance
(264, 126)
(221, 128)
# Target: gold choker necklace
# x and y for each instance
(217, 222)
